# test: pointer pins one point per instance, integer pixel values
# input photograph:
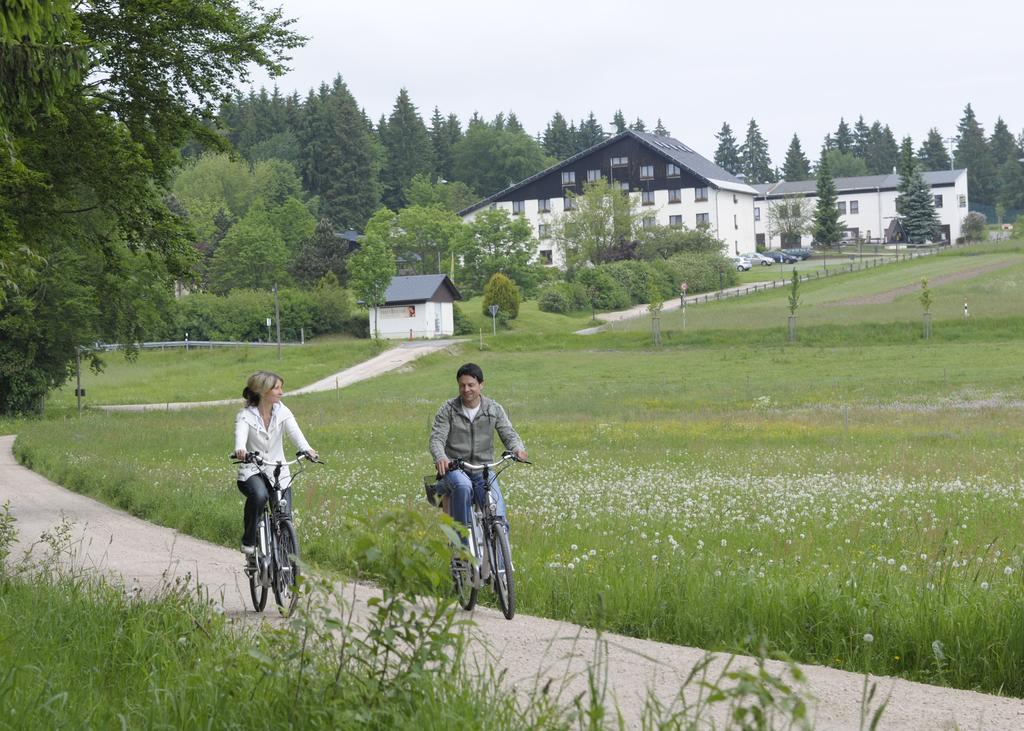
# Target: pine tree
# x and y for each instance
(916, 203)
(638, 125)
(659, 129)
(513, 124)
(797, 166)
(973, 153)
(755, 161)
(881, 152)
(827, 228)
(1002, 143)
(408, 150)
(844, 138)
(861, 133)
(591, 132)
(619, 121)
(559, 140)
(442, 144)
(1011, 186)
(933, 154)
(340, 159)
(727, 156)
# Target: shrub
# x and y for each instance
(973, 226)
(503, 292)
(553, 298)
(641, 278)
(462, 324)
(701, 271)
(605, 293)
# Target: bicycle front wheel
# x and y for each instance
(286, 577)
(503, 575)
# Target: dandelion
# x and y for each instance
(1008, 570)
(724, 543)
(984, 586)
(654, 557)
(869, 638)
(903, 568)
(574, 547)
(924, 556)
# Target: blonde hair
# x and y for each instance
(258, 384)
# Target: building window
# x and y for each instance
(735, 199)
(961, 200)
(854, 206)
(841, 207)
(649, 222)
(617, 162)
(518, 207)
(593, 176)
(647, 198)
(545, 256)
(543, 230)
(672, 171)
(544, 205)
(569, 177)
(646, 172)
(703, 219)
(735, 221)
(624, 186)
(675, 221)
(938, 201)
(700, 194)
(569, 203)
(757, 213)
(675, 195)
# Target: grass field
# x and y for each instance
(854, 499)
(197, 374)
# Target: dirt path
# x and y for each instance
(884, 298)
(531, 648)
(389, 360)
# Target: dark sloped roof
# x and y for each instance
(857, 183)
(668, 147)
(418, 288)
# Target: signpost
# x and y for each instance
(493, 309)
(682, 300)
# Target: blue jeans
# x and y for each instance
(459, 484)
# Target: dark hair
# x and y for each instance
(470, 369)
(259, 383)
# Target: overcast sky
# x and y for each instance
(796, 66)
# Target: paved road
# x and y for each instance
(531, 649)
(389, 360)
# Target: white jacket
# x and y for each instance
(253, 436)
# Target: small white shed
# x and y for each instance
(418, 306)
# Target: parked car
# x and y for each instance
(761, 259)
(741, 263)
(800, 254)
(780, 257)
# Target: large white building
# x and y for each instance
(673, 184)
(867, 205)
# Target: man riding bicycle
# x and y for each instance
(464, 429)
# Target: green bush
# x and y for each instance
(605, 292)
(563, 297)
(640, 278)
(242, 314)
(503, 292)
(700, 271)
(463, 325)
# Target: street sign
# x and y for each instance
(493, 309)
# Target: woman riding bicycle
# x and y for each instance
(464, 429)
(260, 427)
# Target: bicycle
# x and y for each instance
(274, 564)
(487, 542)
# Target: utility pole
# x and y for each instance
(277, 318)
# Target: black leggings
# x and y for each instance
(257, 491)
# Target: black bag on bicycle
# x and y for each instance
(434, 489)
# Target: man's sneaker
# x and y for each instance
(248, 550)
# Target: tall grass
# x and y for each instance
(726, 491)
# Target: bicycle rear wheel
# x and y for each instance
(503, 575)
(257, 591)
(286, 576)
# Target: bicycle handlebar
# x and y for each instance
(458, 464)
(255, 458)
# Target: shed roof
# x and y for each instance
(419, 288)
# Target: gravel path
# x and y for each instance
(532, 649)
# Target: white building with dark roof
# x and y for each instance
(674, 185)
(867, 205)
(419, 306)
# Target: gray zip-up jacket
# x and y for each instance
(454, 436)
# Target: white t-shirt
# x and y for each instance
(471, 413)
